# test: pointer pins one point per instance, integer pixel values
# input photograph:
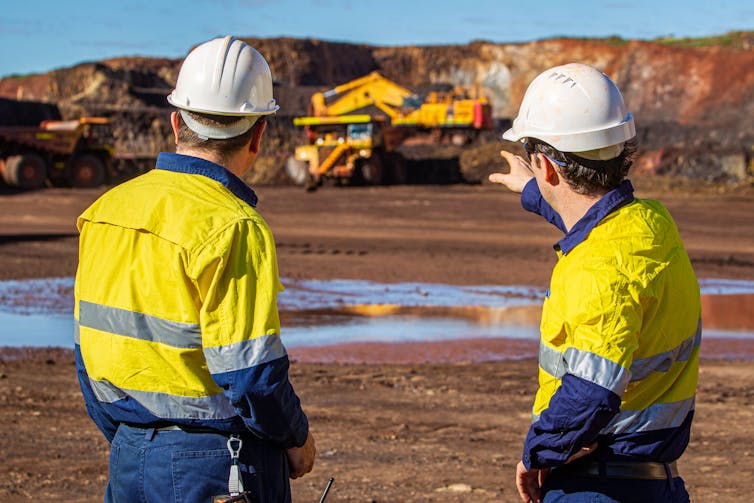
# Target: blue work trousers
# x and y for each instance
(569, 488)
(174, 466)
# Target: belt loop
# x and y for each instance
(149, 434)
(667, 470)
(670, 477)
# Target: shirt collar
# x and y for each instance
(180, 163)
(608, 203)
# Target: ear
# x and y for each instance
(174, 125)
(551, 173)
(256, 135)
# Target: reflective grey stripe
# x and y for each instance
(608, 374)
(551, 361)
(597, 369)
(641, 368)
(140, 326)
(169, 406)
(244, 354)
(586, 365)
(76, 332)
(655, 417)
(105, 391)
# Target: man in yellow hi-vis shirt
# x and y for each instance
(620, 330)
(178, 345)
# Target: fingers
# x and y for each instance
(584, 451)
(301, 459)
(527, 483)
(542, 476)
(301, 468)
(520, 173)
(509, 156)
(498, 178)
(523, 492)
(516, 162)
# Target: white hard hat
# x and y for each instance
(227, 77)
(575, 108)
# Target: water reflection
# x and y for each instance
(340, 314)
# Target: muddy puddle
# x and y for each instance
(361, 321)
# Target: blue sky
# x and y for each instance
(41, 35)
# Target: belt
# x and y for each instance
(176, 427)
(621, 470)
(189, 429)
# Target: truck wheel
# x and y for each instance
(27, 171)
(400, 170)
(297, 171)
(88, 171)
(370, 171)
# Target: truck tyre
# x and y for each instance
(297, 171)
(370, 171)
(88, 171)
(400, 170)
(26, 171)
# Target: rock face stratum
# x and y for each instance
(693, 105)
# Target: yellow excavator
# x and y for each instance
(352, 130)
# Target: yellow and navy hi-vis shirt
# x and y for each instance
(620, 336)
(176, 307)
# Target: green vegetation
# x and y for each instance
(612, 39)
(615, 40)
(733, 39)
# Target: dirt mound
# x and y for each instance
(26, 113)
(692, 104)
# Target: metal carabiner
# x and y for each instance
(235, 483)
(234, 453)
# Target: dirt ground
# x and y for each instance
(387, 432)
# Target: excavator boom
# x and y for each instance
(355, 127)
(372, 89)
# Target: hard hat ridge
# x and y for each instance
(220, 62)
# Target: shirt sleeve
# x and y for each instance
(578, 410)
(532, 200)
(241, 332)
(602, 335)
(106, 424)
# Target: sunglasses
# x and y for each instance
(530, 150)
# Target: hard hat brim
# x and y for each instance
(580, 141)
(226, 113)
(511, 135)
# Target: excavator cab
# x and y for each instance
(359, 133)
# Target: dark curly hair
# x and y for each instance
(587, 176)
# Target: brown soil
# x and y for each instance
(387, 431)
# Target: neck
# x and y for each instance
(572, 208)
(236, 164)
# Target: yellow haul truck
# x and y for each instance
(68, 152)
(353, 130)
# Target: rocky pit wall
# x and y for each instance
(693, 106)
